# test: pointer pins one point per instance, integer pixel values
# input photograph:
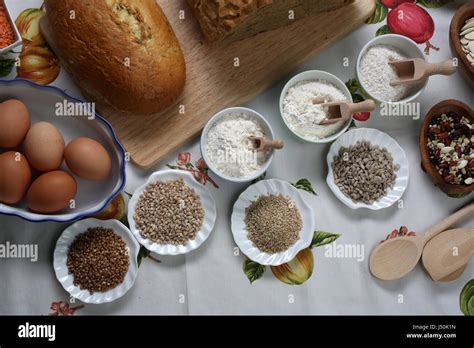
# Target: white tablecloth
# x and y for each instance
(211, 281)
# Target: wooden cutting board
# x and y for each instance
(215, 82)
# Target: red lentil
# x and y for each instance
(7, 35)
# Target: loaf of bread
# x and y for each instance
(239, 19)
(121, 53)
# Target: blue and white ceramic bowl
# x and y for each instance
(43, 103)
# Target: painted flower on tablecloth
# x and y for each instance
(199, 170)
(61, 308)
(401, 232)
(407, 18)
(201, 165)
(184, 159)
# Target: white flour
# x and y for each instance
(229, 148)
(304, 117)
(376, 73)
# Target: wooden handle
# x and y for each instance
(366, 105)
(446, 67)
(274, 144)
(449, 221)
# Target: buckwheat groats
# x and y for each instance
(98, 259)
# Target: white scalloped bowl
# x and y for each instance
(381, 139)
(239, 231)
(208, 204)
(67, 280)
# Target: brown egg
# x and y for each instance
(14, 123)
(15, 177)
(88, 159)
(51, 192)
(44, 147)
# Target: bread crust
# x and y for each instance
(239, 19)
(121, 53)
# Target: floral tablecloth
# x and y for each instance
(217, 279)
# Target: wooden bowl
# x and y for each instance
(462, 14)
(441, 108)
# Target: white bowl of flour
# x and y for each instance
(301, 116)
(374, 73)
(227, 149)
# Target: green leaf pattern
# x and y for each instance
(260, 178)
(143, 253)
(379, 14)
(253, 270)
(433, 3)
(382, 31)
(466, 299)
(321, 238)
(305, 185)
(6, 65)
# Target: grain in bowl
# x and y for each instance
(98, 259)
(364, 172)
(273, 223)
(169, 212)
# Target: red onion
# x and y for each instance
(395, 3)
(412, 21)
(361, 116)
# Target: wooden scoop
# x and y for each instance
(445, 256)
(342, 110)
(396, 257)
(416, 70)
(260, 143)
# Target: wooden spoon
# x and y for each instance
(439, 259)
(342, 110)
(396, 257)
(416, 70)
(261, 143)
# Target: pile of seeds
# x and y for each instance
(98, 259)
(467, 39)
(451, 149)
(169, 212)
(273, 223)
(364, 172)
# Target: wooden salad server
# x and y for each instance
(261, 143)
(445, 256)
(342, 110)
(416, 70)
(396, 257)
